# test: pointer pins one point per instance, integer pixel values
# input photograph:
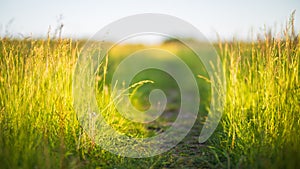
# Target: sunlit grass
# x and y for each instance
(38, 125)
(261, 123)
(260, 127)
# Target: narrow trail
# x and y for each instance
(189, 153)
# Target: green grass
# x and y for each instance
(260, 127)
(38, 125)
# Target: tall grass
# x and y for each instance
(36, 104)
(260, 127)
(261, 122)
(38, 126)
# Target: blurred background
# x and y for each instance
(81, 19)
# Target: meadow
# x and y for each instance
(260, 126)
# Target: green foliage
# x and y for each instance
(261, 122)
(38, 126)
(260, 127)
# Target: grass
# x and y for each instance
(260, 127)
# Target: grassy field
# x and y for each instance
(260, 127)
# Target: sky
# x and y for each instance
(83, 18)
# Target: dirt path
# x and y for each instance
(189, 153)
